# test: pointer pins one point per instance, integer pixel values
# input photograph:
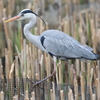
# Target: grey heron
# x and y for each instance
(56, 43)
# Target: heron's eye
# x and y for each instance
(22, 14)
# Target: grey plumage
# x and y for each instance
(65, 47)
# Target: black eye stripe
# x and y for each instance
(22, 14)
(27, 11)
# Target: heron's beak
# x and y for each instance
(13, 18)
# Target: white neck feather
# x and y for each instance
(32, 38)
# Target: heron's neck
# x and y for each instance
(32, 38)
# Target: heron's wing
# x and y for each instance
(60, 48)
(63, 45)
(89, 48)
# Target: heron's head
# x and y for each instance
(25, 14)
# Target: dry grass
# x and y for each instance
(80, 81)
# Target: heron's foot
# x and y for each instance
(32, 81)
(53, 73)
(36, 83)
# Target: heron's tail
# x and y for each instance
(97, 56)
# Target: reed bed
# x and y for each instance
(21, 60)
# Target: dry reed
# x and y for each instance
(23, 60)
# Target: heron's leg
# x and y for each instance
(53, 73)
(74, 72)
